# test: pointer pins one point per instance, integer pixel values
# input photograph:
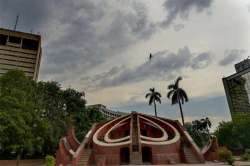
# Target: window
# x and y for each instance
(15, 40)
(30, 44)
(3, 39)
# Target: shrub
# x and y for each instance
(49, 160)
(245, 157)
(225, 155)
(247, 151)
(230, 161)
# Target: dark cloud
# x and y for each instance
(33, 13)
(163, 65)
(231, 56)
(83, 46)
(79, 35)
(201, 61)
(182, 8)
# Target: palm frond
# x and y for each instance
(183, 94)
(181, 99)
(147, 95)
(157, 94)
(151, 100)
(174, 99)
(177, 82)
(171, 86)
(158, 99)
(170, 93)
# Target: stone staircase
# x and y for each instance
(190, 156)
(84, 157)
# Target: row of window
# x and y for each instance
(110, 114)
(24, 43)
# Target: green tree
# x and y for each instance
(34, 116)
(17, 114)
(177, 95)
(199, 131)
(224, 133)
(154, 97)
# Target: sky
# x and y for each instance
(102, 47)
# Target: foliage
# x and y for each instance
(199, 131)
(245, 157)
(154, 97)
(225, 155)
(85, 119)
(234, 135)
(49, 160)
(33, 116)
(247, 151)
(177, 95)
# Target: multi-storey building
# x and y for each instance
(237, 89)
(19, 50)
(107, 113)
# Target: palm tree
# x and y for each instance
(154, 97)
(177, 95)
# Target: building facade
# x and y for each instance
(107, 113)
(134, 139)
(19, 50)
(237, 89)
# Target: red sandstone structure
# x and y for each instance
(133, 139)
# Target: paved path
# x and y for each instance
(241, 163)
(206, 164)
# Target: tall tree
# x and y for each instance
(177, 95)
(154, 97)
(35, 115)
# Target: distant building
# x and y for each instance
(107, 113)
(19, 50)
(237, 89)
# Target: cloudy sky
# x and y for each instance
(102, 47)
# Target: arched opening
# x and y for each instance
(146, 155)
(124, 155)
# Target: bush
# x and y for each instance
(225, 155)
(49, 160)
(247, 151)
(245, 157)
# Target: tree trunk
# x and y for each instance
(155, 109)
(182, 117)
(18, 159)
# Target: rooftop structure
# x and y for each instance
(107, 113)
(237, 89)
(133, 139)
(19, 50)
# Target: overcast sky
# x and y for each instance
(102, 47)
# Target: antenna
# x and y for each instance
(17, 18)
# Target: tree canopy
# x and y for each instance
(154, 97)
(234, 134)
(34, 115)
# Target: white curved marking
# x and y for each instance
(175, 139)
(96, 141)
(106, 137)
(162, 138)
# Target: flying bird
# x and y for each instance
(150, 56)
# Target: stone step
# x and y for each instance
(189, 156)
(84, 157)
